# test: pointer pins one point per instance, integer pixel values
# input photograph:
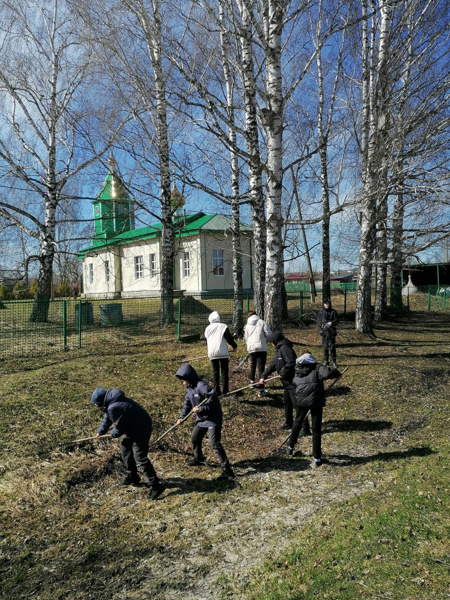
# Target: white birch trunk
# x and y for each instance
(47, 240)
(374, 86)
(381, 255)
(257, 201)
(273, 16)
(238, 320)
(151, 27)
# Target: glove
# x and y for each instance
(114, 433)
(328, 324)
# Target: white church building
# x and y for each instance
(125, 262)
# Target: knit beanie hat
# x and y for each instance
(98, 397)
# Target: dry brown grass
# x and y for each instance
(70, 531)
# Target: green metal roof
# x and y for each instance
(184, 227)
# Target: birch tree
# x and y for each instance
(238, 321)
(273, 16)
(405, 116)
(46, 95)
(133, 56)
(254, 164)
(325, 115)
(374, 124)
(420, 118)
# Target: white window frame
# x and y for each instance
(139, 267)
(186, 265)
(218, 263)
(107, 271)
(152, 266)
(91, 273)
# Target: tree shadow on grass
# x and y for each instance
(345, 460)
(176, 486)
(335, 426)
(276, 461)
(341, 390)
(272, 400)
(301, 463)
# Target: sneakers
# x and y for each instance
(131, 479)
(289, 451)
(262, 393)
(194, 462)
(157, 491)
(227, 473)
(318, 462)
(286, 426)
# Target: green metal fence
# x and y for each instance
(71, 324)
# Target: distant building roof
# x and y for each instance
(342, 276)
(296, 276)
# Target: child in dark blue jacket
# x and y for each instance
(134, 423)
(208, 418)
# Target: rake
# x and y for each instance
(177, 424)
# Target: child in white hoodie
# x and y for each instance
(217, 335)
(256, 332)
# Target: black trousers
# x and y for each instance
(257, 360)
(220, 365)
(215, 435)
(135, 454)
(328, 347)
(288, 398)
(316, 418)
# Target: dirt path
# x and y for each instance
(271, 500)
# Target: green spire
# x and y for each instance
(113, 208)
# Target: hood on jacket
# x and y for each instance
(276, 337)
(214, 317)
(253, 320)
(188, 373)
(306, 359)
(328, 301)
(98, 397)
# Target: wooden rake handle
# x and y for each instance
(177, 424)
(252, 385)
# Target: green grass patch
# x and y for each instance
(389, 543)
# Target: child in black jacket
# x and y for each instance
(134, 423)
(310, 397)
(284, 364)
(327, 320)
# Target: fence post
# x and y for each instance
(345, 299)
(179, 319)
(64, 316)
(300, 305)
(429, 299)
(79, 323)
